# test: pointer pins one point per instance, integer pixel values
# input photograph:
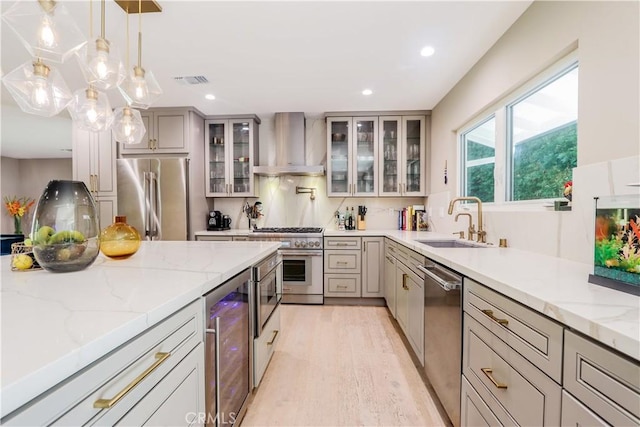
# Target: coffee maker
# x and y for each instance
(214, 221)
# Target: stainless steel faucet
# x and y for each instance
(482, 235)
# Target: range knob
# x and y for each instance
(304, 244)
(297, 244)
(316, 243)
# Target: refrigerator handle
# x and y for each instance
(147, 203)
(154, 205)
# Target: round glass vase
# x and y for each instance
(119, 240)
(65, 227)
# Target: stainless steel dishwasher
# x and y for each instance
(443, 335)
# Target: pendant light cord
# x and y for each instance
(90, 19)
(102, 22)
(127, 57)
(140, 33)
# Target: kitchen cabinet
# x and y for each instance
(403, 154)
(372, 262)
(410, 306)
(222, 238)
(342, 266)
(604, 381)
(390, 276)
(352, 153)
(230, 155)
(168, 131)
(159, 373)
(94, 163)
(265, 345)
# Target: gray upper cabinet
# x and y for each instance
(167, 132)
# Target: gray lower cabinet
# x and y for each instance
(604, 381)
(390, 280)
(475, 411)
(352, 267)
(575, 414)
(410, 307)
(372, 258)
(222, 238)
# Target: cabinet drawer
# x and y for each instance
(342, 243)
(575, 413)
(532, 335)
(215, 238)
(473, 410)
(604, 381)
(503, 378)
(265, 345)
(72, 402)
(342, 261)
(342, 285)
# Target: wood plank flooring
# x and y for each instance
(341, 366)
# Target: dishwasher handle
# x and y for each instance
(432, 270)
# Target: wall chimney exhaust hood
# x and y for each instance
(290, 148)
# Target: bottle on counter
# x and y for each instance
(119, 240)
(349, 225)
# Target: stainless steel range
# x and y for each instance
(301, 251)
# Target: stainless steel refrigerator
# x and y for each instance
(154, 195)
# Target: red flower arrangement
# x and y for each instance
(568, 187)
(17, 208)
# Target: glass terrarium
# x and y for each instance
(617, 243)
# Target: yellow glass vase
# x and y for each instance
(119, 240)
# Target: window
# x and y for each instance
(525, 146)
(479, 153)
(543, 138)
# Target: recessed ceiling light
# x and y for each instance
(367, 92)
(427, 51)
(210, 97)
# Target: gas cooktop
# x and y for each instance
(288, 230)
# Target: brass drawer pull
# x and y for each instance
(341, 262)
(488, 372)
(273, 339)
(489, 313)
(341, 286)
(404, 282)
(108, 403)
(342, 244)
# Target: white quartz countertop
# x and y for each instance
(555, 287)
(54, 324)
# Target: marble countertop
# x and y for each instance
(555, 287)
(54, 324)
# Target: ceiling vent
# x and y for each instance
(191, 80)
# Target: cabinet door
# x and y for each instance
(338, 157)
(216, 165)
(413, 156)
(402, 297)
(105, 162)
(107, 210)
(390, 283)
(575, 414)
(146, 143)
(415, 315)
(82, 158)
(365, 153)
(241, 157)
(390, 135)
(372, 285)
(170, 131)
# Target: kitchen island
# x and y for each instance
(56, 324)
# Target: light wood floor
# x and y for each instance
(341, 366)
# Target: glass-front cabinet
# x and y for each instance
(402, 166)
(352, 147)
(231, 153)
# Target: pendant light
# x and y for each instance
(90, 108)
(100, 61)
(128, 126)
(140, 89)
(45, 28)
(38, 88)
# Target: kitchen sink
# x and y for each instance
(450, 244)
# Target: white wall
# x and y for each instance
(607, 35)
(28, 178)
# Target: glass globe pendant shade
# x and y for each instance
(128, 126)
(90, 110)
(100, 64)
(140, 89)
(45, 28)
(38, 89)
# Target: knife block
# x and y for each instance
(361, 224)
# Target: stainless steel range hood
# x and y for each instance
(290, 148)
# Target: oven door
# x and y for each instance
(268, 296)
(302, 272)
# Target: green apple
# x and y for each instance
(43, 234)
(28, 242)
(67, 236)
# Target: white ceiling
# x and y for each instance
(264, 57)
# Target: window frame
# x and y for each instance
(503, 148)
(464, 165)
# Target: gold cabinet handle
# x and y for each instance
(341, 262)
(342, 244)
(488, 372)
(341, 286)
(489, 313)
(273, 338)
(404, 282)
(108, 403)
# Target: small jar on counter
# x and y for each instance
(119, 240)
